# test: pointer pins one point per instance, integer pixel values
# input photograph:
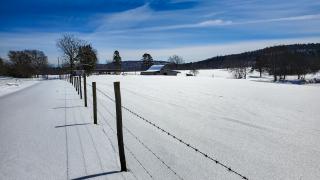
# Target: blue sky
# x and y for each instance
(192, 29)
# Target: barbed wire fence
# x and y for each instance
(105, 109)
(165, 132)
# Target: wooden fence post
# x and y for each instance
(75, 82)
(80, 88)
(119, 126)
(94, 94)
(78, 85)
(85, 89)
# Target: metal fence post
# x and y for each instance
(94, 94)
(119, 126)
(85, 89)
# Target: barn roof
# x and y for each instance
(154, 68)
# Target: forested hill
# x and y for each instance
(287, 54)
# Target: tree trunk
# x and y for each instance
(260, 71)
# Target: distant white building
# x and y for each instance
(159, 70)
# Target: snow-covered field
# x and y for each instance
(258, 129)
(9, 85)
(261, 130)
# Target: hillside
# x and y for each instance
(305, 53)
(131, 65)
(250, 58)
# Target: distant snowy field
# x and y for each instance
(9, 85)
(224, 73)
(261, 130)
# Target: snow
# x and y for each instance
(49, 135)
(261, 130)
(154, 68)
(9, 85)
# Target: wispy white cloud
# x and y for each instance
(207, 23)
(220, 22)
(208, 29)
(147, 19)
(291, 18)
(125, 19)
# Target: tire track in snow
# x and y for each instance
(94, 145)
(244, 123)
(132, 154)
(81, 145)
(66, 132)
(113, 148)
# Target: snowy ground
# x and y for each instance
(9, 85)
(46, 133)
(260, 130)
(254, 76)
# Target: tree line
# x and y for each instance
(145, 63)
(282, 61)
(116, 64)
(278, 61)
(77, 54)
(25, 64)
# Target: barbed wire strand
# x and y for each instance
(145, 146)
(178, 139)
(114, 149)
(130, 132)
(127, 148)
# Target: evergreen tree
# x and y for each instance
(117, 60)
(88, 58)
(147, 61)
(2, 67)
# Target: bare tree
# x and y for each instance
(239, 72)
(27, 63)
(69, 45)
(21, 63)
(175, 59)
(194, 72)
(39, 61)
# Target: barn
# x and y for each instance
(159, 70)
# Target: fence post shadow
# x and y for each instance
(96, 175)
